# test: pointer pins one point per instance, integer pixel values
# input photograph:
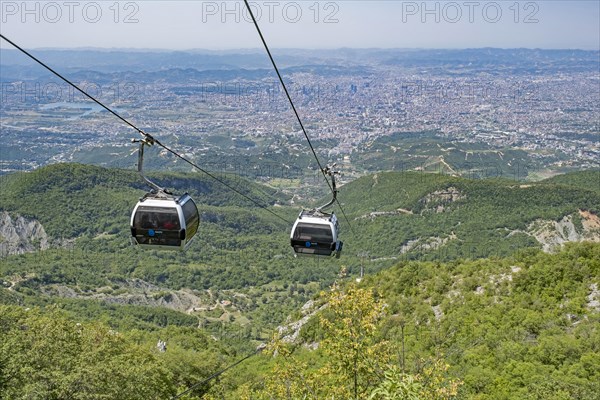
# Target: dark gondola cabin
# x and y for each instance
(164, 222)
(316, 233)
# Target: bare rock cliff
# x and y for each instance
(20, 235)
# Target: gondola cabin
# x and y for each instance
(316, 233)
(164, 222)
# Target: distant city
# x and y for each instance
(543, 102)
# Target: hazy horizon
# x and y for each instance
(261, 49)
(319, 25)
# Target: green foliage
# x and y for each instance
(43, 355)
(418, 215)
(71, 200)
(517, 326)
(355, 357)
(396, 386)
(9, 297)
(351, 357)
(589, 179)
(352, 361)
(119, 316)
(510, 328)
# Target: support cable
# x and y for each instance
(217, 374)
(287, 93)
(149, 138)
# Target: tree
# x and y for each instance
(355, 356)
(354, 359)
(44, 355)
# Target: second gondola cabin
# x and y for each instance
(316, 233)
(164, 222)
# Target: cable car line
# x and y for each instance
(287, 93)
(216, 374)
(323, 170)
(149, 138)
(75, 86)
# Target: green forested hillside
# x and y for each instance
(74, 199)
(241, 254)
(388, 191)
(239, 280)
(520, 327)
(45, 355)
(240, 247)
(523, 327)
(456, 217)
(443, 217)
(583, 179)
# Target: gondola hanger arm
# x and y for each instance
(147, 141)
(329, 171)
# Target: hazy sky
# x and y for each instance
(302, 24)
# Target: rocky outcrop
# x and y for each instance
(290, 333)
(20, 235)
(439, 200)
(553, 234)
(593, 299)
(136, 292)
(375, 214)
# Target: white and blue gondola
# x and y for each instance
(164, 222)
(316, 233)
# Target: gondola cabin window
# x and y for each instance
(157, 225)
(164, 223)
(190, 214)
(317, 233)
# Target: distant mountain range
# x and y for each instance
(17, 66)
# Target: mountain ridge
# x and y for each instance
(427, 205)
